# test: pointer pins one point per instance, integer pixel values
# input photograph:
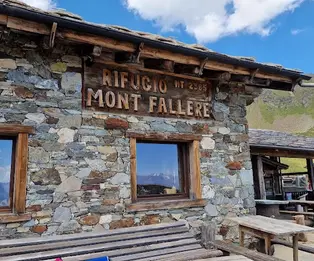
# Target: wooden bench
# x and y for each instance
(170, 241)
(227, 258)
(232, 248)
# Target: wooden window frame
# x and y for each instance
(19, 135)
(193, 179)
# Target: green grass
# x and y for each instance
(270, 112)
(295, 165)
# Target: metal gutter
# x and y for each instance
(107, 32)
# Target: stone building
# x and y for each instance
(103, 127)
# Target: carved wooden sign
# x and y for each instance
(119, 89)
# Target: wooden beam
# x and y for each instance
(27, 26)
(10, 129)
(3, 19)
(5, 219)
(20, 178)
(149, 52)
(146, 52)
(284, 153)
(133, 170)
(195, 171)
(53, 35)
(258, 176)
(166, 204)
(156, 136)
(142, 69)
(310, 169)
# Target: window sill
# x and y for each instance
(12, 218)
(165, 204)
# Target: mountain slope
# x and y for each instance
(286, 112)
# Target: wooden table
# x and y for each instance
(268, 228)
(268, 208)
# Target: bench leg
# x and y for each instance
(241, 237)
(267, 245)
(295, 247)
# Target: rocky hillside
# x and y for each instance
(284, 111)
(287, 112)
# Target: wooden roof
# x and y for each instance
(19, 16)
(275, 143)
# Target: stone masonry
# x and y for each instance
(79, 161)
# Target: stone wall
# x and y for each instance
(79, 161)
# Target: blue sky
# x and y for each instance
(5, 160)
(289, 41)
(156, 158)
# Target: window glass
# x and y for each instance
(6, 150)
(158, 169)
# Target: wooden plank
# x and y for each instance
(185, 255)
(20, 177)
(158, 253)
(27, 26)
(133, 250)
(8, 129)
(131, 91)
(301, 247)
(133, 170)
(153, 136)
(226, 258)
(270, 225)
(166, 204)
(143, 69)
(296, 212)
(5, 219)
(232, 248)
(121, 231)
(196, 189)
(97, 248)
(260, 174)
(3, 19)
(91, 241)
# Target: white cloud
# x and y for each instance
(209, 20)
(42, 4)
(297, 31)
(5, 174)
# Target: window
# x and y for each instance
(13, 167)
(165, 169)
(162, 169)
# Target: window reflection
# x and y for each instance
(158, 169)
(5, 171)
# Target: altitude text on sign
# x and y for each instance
(161, 95)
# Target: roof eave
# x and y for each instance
(274, 147)
(76, 25)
